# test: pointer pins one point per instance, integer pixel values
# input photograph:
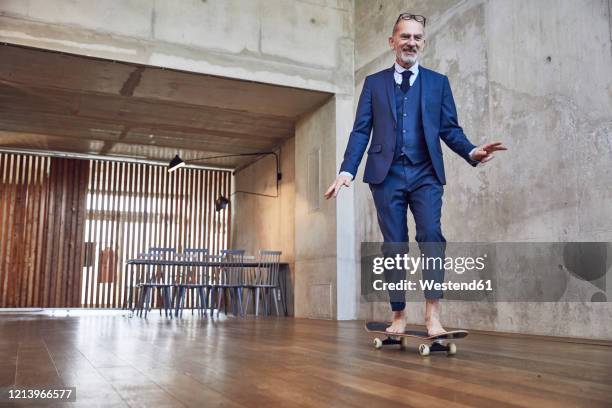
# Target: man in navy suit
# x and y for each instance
(409, 108)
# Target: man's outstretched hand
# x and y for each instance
(341, 180)
(485, 152)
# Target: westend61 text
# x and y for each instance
(475, 285)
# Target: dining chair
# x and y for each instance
(192, 281)
(154, 279)
(265, 282)
(228, 281)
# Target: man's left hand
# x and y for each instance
(485, 152)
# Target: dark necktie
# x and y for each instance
(405, 81)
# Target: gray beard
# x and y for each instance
(408, 59)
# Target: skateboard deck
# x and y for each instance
(402, 338)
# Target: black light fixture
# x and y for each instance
(221, 202)
(175, 164)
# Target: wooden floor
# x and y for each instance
(120, 361)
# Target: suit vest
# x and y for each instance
(410, 136)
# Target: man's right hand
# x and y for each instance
(341, 180)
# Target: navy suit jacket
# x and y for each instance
(376, 110)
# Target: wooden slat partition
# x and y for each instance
(132, 207)
(138, 206)
(42, 212)
(68, 225)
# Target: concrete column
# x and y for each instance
(346, 244)
(315, 217)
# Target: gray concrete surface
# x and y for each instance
(294, 43)
(300, 44)
(537, 76)
(533, 74)
(267, 222)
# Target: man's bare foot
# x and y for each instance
(434, 328)
(398, 325)
(432, 317)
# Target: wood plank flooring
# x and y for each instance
(118, 361)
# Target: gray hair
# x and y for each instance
(399, 18)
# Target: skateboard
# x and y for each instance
(403, 338)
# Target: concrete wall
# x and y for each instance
(537, 76)
(534, 74)
(320, 251)
(315, 218)
(266, 222)
(301, 43)
(294, 43)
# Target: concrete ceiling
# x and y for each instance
(59, 102)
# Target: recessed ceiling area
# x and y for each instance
(52, 101)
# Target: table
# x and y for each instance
(211, 262)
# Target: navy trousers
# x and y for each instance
(413, 186)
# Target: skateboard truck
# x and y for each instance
(424, 349)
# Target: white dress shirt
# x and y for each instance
(397, 75)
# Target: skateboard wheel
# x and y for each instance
(377, 343)
(452, 349)
(424, 350)
(404, 343)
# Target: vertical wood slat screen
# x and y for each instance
(41, 230)
(67, 226)
(133, 207)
